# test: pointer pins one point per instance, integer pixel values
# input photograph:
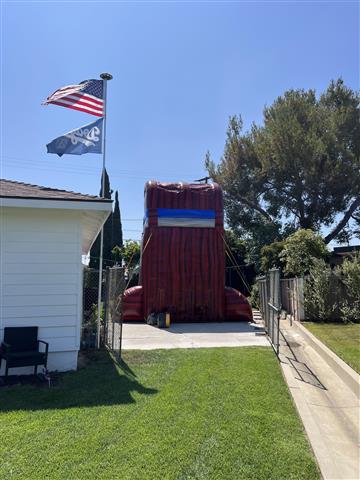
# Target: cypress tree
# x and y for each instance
(95, 250)
(117, 236)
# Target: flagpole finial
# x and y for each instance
(106, 76)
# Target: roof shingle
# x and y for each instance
(13, 189)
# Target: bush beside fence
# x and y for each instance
(325, 294)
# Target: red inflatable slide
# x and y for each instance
(183, 258)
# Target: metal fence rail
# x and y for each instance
(270, 305)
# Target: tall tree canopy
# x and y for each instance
(300, 169)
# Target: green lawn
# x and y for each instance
(343, 339)
(222, 413)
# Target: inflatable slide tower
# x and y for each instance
(182, 268)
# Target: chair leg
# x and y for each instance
(35, 369)
(6, 370)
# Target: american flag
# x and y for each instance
(87, 97)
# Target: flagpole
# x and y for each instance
(105, 77)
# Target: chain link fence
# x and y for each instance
(113, 286)
(90, 308)
(270, 305)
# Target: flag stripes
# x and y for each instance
(86, 97)
(79, 105)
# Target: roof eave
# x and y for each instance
(64, 204)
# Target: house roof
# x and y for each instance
(13, 189)
(348, 250)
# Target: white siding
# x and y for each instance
(41, 277)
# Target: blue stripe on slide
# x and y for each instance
(189, 214)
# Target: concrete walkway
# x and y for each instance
(139, 336)
(327, 401)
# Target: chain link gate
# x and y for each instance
(114, 288)
(270, 305)
(90, 306)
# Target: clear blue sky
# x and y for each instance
(180, 69)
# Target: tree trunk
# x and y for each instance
(337, 229)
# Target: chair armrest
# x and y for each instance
(5, 347)
(46, 345)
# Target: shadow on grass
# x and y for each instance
(102, 381)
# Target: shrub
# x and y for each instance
(321, 292)
(300, 250)
(270, 256)
(350, 272)
(333, 294)
(254, 298)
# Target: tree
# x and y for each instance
(117, 254)
(270, 256)
(131, 253)
(299, 251)
(236, 249)
(239, 273)
(356, 218)
(301, 169)
(95, 250)
(117, 236)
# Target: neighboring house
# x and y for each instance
(43, 234)
(340, 253)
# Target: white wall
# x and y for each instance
(41, 279)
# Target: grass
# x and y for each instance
(343, 339)
(221, 413)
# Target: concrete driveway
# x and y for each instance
(139, 336)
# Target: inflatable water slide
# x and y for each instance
(182, 270)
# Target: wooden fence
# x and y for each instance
(293, 301)
(292, 297)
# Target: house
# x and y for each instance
(340, 253)
(44, 233)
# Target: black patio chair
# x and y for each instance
(21, 348)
